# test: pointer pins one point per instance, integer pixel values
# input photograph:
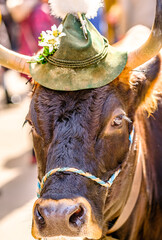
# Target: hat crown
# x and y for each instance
(74, 46)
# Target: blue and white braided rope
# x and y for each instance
(80, 172)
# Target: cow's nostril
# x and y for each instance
(39, 218)
(77, 218)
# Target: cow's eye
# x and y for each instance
(117, 121)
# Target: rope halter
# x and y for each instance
(88, 175)
(80, 172)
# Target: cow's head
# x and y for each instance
(78, 130)
(88, 130)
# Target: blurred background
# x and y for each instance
(21, 22)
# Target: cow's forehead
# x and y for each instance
(44, 96)
(47, 106)
(51, 103)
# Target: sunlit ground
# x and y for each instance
(17, 174)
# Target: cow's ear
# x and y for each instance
(144, 81)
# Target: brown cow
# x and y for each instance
(100, 131)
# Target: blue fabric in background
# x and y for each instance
(99, 23)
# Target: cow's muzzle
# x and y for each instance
(65, 217)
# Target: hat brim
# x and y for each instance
(73, 79)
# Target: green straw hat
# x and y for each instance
(79, 63)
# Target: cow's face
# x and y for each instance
(81, 130)
(87, 130)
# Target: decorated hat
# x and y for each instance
(75, 55)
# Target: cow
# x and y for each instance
(84, 138)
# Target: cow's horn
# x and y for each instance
(152, 46)
(13, 60)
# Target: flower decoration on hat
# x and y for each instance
(50, 41)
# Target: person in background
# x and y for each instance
(33, 17)
(113, 12)
(9, 23)
(136, 12)
(121, 15)
(5, 41)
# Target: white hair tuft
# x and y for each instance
(60, 8)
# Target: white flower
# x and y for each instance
(44, 34)
(60, 29)
(54, 29)
(51, 38)
(56, 32)
(51, 43)
(46, 44)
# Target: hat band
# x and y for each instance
(79, 64)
